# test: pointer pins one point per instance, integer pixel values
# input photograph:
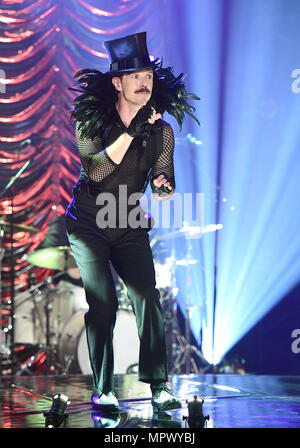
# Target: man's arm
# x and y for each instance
(118, 149)
(99, 162)
(163, 180)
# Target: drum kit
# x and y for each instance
(48, 319)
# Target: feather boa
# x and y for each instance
(94, 107)
(170, 95)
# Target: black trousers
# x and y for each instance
(130, 253)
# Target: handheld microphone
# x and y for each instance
(148, 126)
(146, 134)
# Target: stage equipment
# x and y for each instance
(58, 258)
(40, 316)
(13, 228)
(73, 348)
(56, 416)
(184, 355)
(196, 419)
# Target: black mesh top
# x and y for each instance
(138, 166)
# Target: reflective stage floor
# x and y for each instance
(231, 401)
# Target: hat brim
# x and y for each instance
(154, 64)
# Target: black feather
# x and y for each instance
(94, 107)
(170, 95)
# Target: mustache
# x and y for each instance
(144, 89)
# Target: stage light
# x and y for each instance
(196, 419)
(174, 291)
(192, 139)
(56, 416)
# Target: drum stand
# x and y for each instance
(48, 309)
(184, 353)
(10, 192)
(48, 347)
(51, 362)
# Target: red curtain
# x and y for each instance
(42, 44)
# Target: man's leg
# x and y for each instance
(91, 252)
(133, 261)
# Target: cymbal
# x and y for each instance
(188, 232)
(58, 258)
(166, 236)
(182, 232)
(5, 225)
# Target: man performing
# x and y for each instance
(123, 142)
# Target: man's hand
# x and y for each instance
(159, 182)
(146, 114)
(154, 116)
(162, 181)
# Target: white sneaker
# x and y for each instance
(106, 402)
(163, 399)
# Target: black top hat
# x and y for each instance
(129, 53)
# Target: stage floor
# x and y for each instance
(231, 401)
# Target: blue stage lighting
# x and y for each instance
(247, 165)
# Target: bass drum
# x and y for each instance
(30, 316)
(73, 349)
